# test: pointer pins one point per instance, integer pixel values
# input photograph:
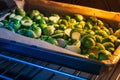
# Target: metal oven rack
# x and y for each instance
(16, 67)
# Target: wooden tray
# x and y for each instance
(65, 57)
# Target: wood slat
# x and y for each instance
(114, 16)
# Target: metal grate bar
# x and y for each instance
(38, 66)
(5, 77)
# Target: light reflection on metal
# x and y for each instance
(38, 66)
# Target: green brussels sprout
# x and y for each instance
(11, 16)
(91, 32)
(111, 31)
(95, 28)
(41, 21)
(37, 31)
(75, 34)
(104, 55)
(63, 21)
(26, 21)
(68, 31)
(72, 21)
(108, 45)
(117, 43)
(92, 20)
(49, 30)
(5, 22)
(101, 33)
(111, 50)
(57, 35)
(67, 17)
(15, 24)
(99, 38)
(88, 25)
(88, 43)
(18, 17)
(106, 30)
(61, 42)
(77, 43)
(100, 23)
(44, 37)
(62, 27)
(37, 18)
(117, 33)
(34, 13)
(110, 38)
(82, 23)
(100, 46)
(77, 26)
(78, 17)
(43, 26)
(52, 41)
(92, 56)
(58, 31)
(84, 51)
(54, 18)
(71, 41)
(20, 11)
(27, 32)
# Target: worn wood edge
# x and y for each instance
(113, 16)
(8, 35)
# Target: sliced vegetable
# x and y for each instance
(52, 41)
(75, 34)
(78, 17)
(104, 54)
(20, 11)
(28, 33)
(49, 30)
(26, 21)
(61, 42)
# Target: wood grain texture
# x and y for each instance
(115, 16)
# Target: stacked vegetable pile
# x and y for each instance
(88, 36)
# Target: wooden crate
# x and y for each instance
(113, 18)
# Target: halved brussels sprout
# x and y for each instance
(26, 21)
(88, 26)
(117, 33)
(99, 38)
(15, 24)
(20, 11)
(54, 18)
(27, 32)
(52, 41)
(18, 17)
(78, 17)
(100, 46)
(75, 34)
(101, 33)
(88, 43)
(34, 13)
(92, 56)
(61, 42)
(108, 45)
(68, 31)
(49, 30)
(37, 31)
(104, 54)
